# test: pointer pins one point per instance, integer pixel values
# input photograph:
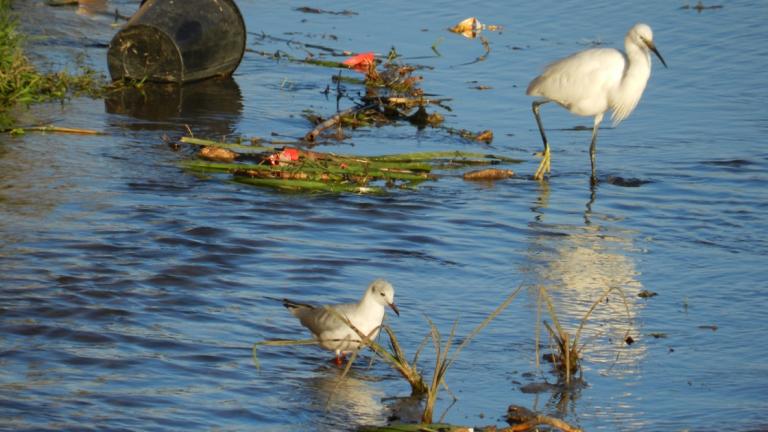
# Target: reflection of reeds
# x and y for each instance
(567, 352)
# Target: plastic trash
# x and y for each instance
(178, 41)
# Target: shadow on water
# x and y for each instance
(213, 106)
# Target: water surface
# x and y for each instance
(132, 291)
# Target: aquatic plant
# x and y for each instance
(566, 353)
(297, 169)
(22, 84)
(396, 358)
(444, 357)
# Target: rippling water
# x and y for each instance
(132, 291)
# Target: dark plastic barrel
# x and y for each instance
(178, 41)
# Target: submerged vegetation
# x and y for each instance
(22, 84)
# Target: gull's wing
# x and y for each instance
(319, 319)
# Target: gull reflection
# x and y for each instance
(351, 399)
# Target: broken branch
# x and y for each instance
(312, 135)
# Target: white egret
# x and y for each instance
(592, 81)
(330, 330)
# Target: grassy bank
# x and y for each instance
(22, 84)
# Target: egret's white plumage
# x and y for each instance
(593, 81)
(331, 332)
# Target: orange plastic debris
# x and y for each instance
(361, 62)
(287, 155)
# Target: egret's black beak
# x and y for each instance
(394, 308)
(652, 47)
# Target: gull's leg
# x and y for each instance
(545, 165)
(339, 360)
(593, 145)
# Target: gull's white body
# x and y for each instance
(591, 82)
(332, 332)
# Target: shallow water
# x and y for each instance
(132, 291)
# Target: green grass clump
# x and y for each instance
(22, 84)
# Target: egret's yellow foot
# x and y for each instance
(544, 166)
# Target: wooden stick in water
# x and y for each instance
(57, 129)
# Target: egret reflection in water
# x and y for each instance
(577, 264)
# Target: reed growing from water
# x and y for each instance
(566, 355)
(446, 353)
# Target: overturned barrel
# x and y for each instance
(178, 41)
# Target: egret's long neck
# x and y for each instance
(637, 70)
(638, 63)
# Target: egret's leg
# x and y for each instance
(545, 165)
(592, 147)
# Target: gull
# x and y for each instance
(332, 332)
(591, 82)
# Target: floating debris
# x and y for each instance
(646, 294)
(361, 62)
(488, 174)
(417, 427)
(217, 154)
(63, 2)
(626, 182)
(296, 169)
(699, 6)
(311, 10)
(522, 418)
(485, 136)
(471, 27)
(51, 129)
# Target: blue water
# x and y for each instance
(132, 291)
